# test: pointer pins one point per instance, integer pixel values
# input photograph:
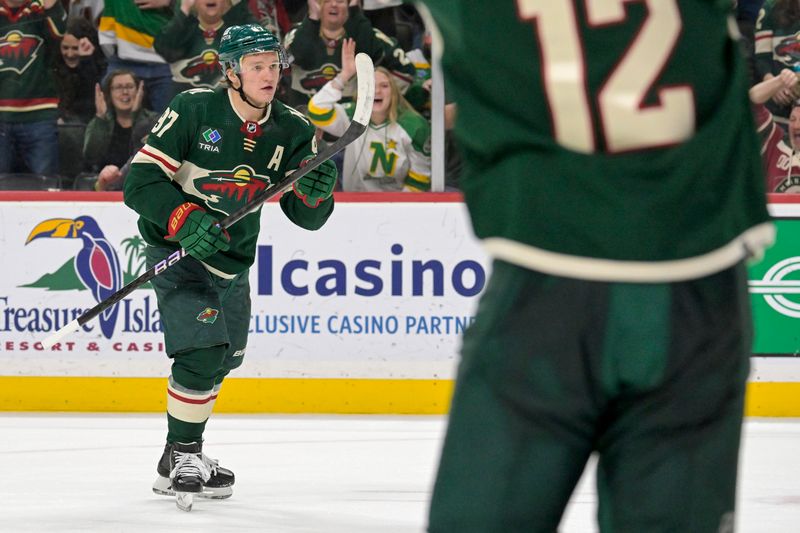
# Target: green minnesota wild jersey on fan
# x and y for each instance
(202, 151)
(191, 50)
(626, 149)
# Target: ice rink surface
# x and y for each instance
(321, 474)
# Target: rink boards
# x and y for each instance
(363, 316)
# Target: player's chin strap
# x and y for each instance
(240, 90)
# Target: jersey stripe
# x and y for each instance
(419, 182)
(148, 154)
(188, 405)
(594, 269)
(126, 33)
(320, 116)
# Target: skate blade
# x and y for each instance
(184, 500)
(163, 487)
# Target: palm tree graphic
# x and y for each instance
(134, 249)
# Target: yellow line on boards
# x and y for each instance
(278, 395)
(772, 398)
(238, 395)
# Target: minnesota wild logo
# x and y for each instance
(202, 70)
(228, 190)
(18, 50)
(208, 315)
(314, 80)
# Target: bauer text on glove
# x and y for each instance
(197, 232)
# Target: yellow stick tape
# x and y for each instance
(262, 395)
(238, 395)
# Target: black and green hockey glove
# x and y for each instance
(197, 232)
(317, 186)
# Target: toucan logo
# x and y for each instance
(18, 51)
(96, 266)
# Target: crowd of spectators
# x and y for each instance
(771, 40)
(83, 81)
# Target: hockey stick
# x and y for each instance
(365, 77)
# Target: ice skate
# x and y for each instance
(187, 472)
(218, 486)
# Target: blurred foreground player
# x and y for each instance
(209, 154)
(618, 188)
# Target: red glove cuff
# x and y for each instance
(178, 217)
(304, 197)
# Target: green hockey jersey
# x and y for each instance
(775, 44)
(625, 150)
(29, 38)
(191, 50)
(314, 64)
(126, 30)
(202, 151)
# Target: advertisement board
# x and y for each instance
(383, 290)
(372, 305)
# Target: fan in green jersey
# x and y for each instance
(190, 40)
(210, 153)
(30, 33)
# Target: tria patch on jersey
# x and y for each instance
(211, 135)
(211, 139)
(208, 147)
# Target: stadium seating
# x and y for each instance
(22, 181)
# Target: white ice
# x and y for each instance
(320, 474)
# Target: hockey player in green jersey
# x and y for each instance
(618, 187)
(209, 153)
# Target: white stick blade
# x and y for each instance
(60, 334)
(365, 74)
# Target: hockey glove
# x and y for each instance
(197, 232)
(317, 186)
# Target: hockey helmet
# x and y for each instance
(239, 41)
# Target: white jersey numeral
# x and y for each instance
(627, 124)
(169, 116)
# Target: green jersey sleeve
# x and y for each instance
(149, 189)
(175, 38)
(305, 145)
